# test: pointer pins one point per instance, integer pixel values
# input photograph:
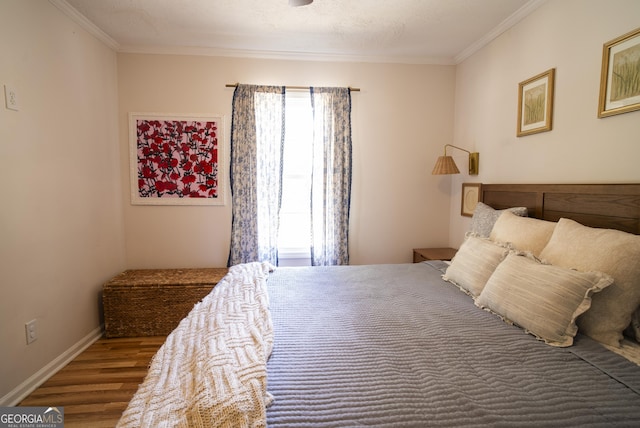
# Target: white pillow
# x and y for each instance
(474, 263)
(543, 299)
(616, 253)
(524, 233)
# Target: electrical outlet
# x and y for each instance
(31, 328)
(10, 98)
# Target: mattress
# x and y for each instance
(395, 345)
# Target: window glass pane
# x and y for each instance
(295, 227)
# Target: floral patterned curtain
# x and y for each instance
(257, 141)
(331, 179)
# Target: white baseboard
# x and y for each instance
(20, 392)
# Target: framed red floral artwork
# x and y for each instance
(176, 159)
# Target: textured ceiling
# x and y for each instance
(410, 31)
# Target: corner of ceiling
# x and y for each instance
(512, 20)
(82, 21)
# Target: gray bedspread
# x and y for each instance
(395, 345)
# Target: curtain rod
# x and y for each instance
(235, 85)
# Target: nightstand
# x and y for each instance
(422, 254)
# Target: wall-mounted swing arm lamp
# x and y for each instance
(446, 165)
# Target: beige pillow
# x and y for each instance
(610, 251)
(543, 299)
(474, 263)
(524, 233)
(484, 217)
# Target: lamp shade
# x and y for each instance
(445, 165)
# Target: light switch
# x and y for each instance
(10, 98)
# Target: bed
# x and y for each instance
(524, 327)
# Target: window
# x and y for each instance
(258, 198)
(294, 239)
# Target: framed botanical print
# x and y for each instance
(470, 197)
(620, 77)
(535, 103)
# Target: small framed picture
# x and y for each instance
(470, 198)
(620, 77)
(535, 104)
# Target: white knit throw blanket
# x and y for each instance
(211, 371)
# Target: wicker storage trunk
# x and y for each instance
(151, 302)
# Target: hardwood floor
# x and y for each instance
(97, 385)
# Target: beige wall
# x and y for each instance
(61, 230)
(396, 203)
(566, 35)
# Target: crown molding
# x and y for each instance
(282, 55)
(82, 21)
(512, 20)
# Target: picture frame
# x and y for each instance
(535, 103)
(471, 193)
(620, 75)
(177, 159)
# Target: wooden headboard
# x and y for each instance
(610, 206)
